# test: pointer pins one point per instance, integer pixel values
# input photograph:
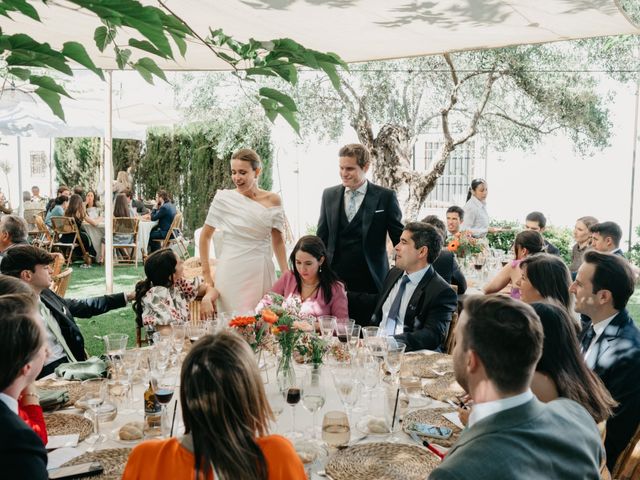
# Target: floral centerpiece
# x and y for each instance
(256, 329)
(463, 244)
(311, 348)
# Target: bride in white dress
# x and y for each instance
(248, 224)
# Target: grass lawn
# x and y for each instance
(90, 282)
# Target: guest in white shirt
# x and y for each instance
(511, 434)
(23, 351)
(476, 217)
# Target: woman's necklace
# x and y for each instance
(310, 290)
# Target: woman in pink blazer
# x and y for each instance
(312, 280)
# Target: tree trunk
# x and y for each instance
(392, 168)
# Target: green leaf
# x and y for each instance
(152, 67)
(285, 100)
(180, 43)
(101, 37)
(291, 119)
(122, 57)
(76, 52)
(21, 6)
(21, 73)
(48, 83)
(260, 71)
(25, 51)
(52, 99)
(331, 72)
(146, 46)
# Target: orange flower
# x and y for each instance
(241, 321)
(453, 245)
(268, 316)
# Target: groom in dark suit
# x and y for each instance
(416, 303)
(611, 341)
(355, 219)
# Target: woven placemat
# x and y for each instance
(74, 388)
(433, 416)
(67, 424)
(425, 366)
(390, 461)
(112, 460)
(443, 388)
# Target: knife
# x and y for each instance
(426, 444)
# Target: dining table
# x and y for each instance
(96, 234)
(389, 400)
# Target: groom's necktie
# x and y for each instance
(394, 310)
(351, 205)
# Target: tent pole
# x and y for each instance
(633, 163)
(20, 204)
(108, 185)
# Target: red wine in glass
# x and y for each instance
(477, 266)
(504, 263)
(343, 338)
(164, 395)
(293, 396)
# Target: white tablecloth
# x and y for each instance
(96, 233)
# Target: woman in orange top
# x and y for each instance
(226, 417)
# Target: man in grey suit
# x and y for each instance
(511, 435)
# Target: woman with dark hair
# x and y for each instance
(249, 225)
(562, 371)
(76, 210)
(312, 280)
(476, 217)
(16, 295)
(227, 438)
(545, 277)
(91, 204)
(526, 243)
(60, 204)
(120, 209)
(163, 297)
(582, 236)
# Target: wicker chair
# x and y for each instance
(628, 464)
(61, 282)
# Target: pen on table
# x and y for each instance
(426, 444)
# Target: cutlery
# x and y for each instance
(426, 444)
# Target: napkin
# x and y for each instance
(91, 368)
(51, 398)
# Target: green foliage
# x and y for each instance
(126, 153)
(503, 240)
(562, 238)
(275, 58)
(191, 165)
(634, 251)
(78, 161)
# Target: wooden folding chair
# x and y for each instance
(41, 236)
(127, 252)
(67, 225)
(175, 238)
(628, 464)
(61, 282)
(139, 340)
(450, 342)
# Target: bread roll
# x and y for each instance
(131, 431)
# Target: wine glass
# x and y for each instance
(164, 384)
(344, 336)
(370, 373)
(276, 400)
(130, 360)
(179, 332)
(327, 326)
(354, 340)
(347, 386)
(95, 393)
(394, 356)
(313, 397)
(195, 331)
(114, 344)
(335, 429)
(293, 395)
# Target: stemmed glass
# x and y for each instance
(276, 400)
(370, 373)
(327, 326)
(347, 386)
(293, 394)
(195, 331)
(164, 384)
(313, 398)
(115, 344)
(354, 340)
(95, 393)
(130, 361)
(394, 356)
(179, 332)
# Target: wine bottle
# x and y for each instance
(151, 404)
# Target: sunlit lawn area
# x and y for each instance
(90, 282)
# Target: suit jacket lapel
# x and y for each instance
(414, 301)
(334, 209)
(369, 208)
(392, 277)
(609, 334)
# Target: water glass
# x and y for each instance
(164, 384)
(115, 344)
(179, 332)
(347, 386)
(393, 359)
(195, 331)
(327, 326)
(95, 393)
(336, 431)
(313, 397)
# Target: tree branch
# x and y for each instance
(522, 124)
(473, 127)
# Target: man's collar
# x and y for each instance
(483, 410)
(10, 402)
(362, 189)
(416, 276)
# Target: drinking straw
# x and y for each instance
(173, 420)
(395, 410)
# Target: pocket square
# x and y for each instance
(378, 211)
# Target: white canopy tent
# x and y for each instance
(357, 30)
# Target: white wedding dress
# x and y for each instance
(242, 239)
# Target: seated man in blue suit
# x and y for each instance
(164, 213)
(415, 304)
(23, 351)
(610, 340)
(511, 435)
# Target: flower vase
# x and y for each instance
(285, 374)
(263, 366)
